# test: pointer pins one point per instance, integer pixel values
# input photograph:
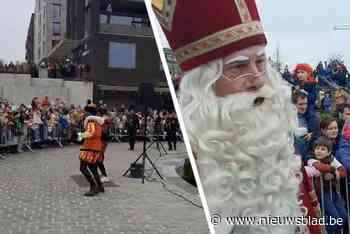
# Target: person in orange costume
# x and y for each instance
(90, 152)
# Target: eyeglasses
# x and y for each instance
(243, 70)
(244, 76)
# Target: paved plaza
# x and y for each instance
(42, 193)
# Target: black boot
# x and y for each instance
(86, 173)
(99, 185)
(93, 192)
(101, 188)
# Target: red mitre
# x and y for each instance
(201, 31)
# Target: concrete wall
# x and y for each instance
(19, 89)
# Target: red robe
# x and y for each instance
(309, 201)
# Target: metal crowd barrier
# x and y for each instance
(121, 135)
(7, 140)
(333, 85)
(54, 135)
(325, 190)
(15, 140)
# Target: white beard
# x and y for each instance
(246, 156)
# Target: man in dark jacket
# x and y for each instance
(172, 127)
(133, 124)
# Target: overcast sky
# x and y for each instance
(14, 22)
(304, 29)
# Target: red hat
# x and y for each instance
(202, 31)
(304, 67)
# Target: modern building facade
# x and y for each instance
(49, 26)
(114, 39)
(29, 56)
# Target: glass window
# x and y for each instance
(87, 19)
(138, 22)
(56, 11)
(121, 20)
(54, 43)
(56, 28)
(103, 19)
(122, 55)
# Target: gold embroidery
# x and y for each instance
(313, 196)
(219, 39)
(158, 4)
(243, 11)
(164, 11)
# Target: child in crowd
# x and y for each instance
(332, 170)
(346, 130)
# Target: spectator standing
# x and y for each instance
(172, 127)
(306, 81)
(332, 171)
(132, 126)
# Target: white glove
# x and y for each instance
(312, 172)
(299, 132)
(80, 136)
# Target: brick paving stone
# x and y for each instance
(38, 195)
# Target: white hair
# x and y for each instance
(246, 156)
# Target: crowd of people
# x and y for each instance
(47, 121)
(323, 135)
(67, 69)
(63, 69)
(334, 70)
(19, 68)
(14, 68)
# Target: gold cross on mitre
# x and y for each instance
(164, 10)
(158, 4)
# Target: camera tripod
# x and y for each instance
(158, 143)
(144, 155)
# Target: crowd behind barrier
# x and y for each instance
(47, 123)
(321, 97)
(334, 71)
(333, 196)
(327, 113)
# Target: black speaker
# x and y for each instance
(136, 170)
(146, 94)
